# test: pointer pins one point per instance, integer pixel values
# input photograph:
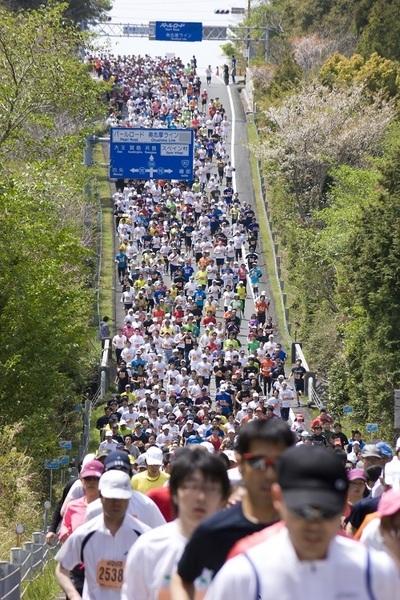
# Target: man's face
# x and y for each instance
(310, 538)
(258, 482)
(198, 498)
(114, 509)
(154, 470)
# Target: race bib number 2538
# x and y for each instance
(110, 573)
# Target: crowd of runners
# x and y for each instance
(205, 440)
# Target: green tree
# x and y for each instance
(40, 68)
(378, 74)
(382, 31)
(79, 11)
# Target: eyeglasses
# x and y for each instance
(90, 478)
(210, 489)
(259, 462)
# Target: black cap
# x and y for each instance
(118, 460)
(313, 481)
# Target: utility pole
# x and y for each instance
(266, 44)
(248, 31)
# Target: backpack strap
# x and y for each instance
(84, 542)
(257, 595)
(368, 578)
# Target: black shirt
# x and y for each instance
(212, 540)
(361, 509)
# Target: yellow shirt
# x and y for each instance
(201, 277)
(241, 292)
(142, 482)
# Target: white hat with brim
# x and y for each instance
(115, 485)
(154, 456)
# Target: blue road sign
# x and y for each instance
(347, 410)
(151, 153)
(66, 444)
(371, 427)
(64, 461)
(178, 31)
(52, 464)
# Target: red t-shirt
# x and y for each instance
(162, 497)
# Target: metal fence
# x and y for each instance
(91, 403)
(26, 563)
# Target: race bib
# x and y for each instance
(110, 573)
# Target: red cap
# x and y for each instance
(354, 474)
(93, 468)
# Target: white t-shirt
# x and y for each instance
(343, 574)
(151, 565)
(371, 535)
(140, 506)
(100, 546)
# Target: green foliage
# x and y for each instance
(19, 500)
(40, 68)
(382, 31)
(379, 75)
(285, 80)
(228, 49)
(79, 11)
(47, 229)
(45, 311)
(45, 585)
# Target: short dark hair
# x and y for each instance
(273, 432)
(198, 459)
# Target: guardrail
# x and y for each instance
(26, 563)
(91, 403)
(310, 377)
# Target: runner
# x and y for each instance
(303, 557)
(199, 486)
(101, 544)
(259, 445)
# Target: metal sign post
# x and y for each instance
(51, 465)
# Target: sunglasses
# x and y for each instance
(259, 462)
(311, 513)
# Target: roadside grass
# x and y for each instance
(106, 295)
(266, 239)
(45, 586)
(94, 437)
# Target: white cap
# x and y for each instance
(231, 455)
(154, 456)
(208, 446)
(115, 484)
(87, 458)
(108, 433)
